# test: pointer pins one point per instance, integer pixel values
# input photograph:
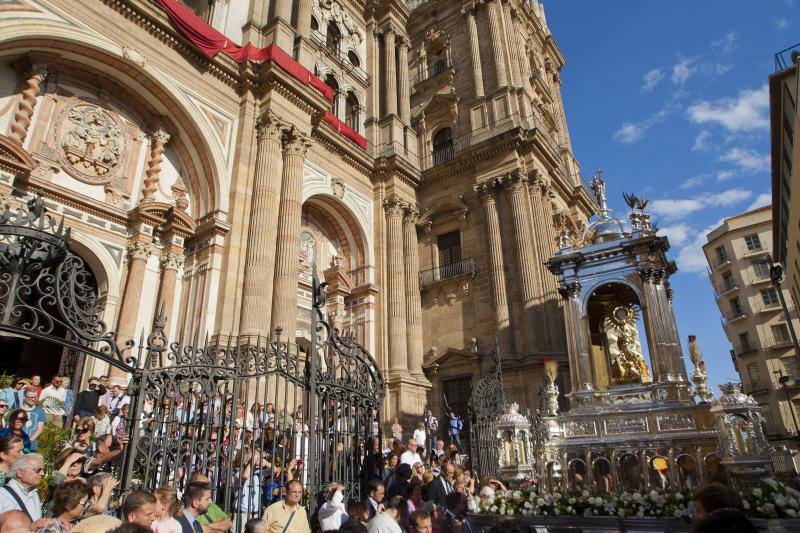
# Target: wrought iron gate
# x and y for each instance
(486, 403)
(200, 406)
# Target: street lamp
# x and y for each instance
(776, 276)
(784, 381)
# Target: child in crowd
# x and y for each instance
(166, 509)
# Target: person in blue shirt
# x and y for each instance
(7, 391)
(36, 419)
(454, 427)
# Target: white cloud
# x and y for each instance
(678, 208)
(630, 132)
(715, 69)
(761, 200)
(747, 112)
(651, 79)
(694, 181)
(691, 258)
(725, 175)
(725, 44)
(677, 233)
(781, 24)
(701, 141)
(746, 159)
(683, 70)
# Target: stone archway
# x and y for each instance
(332, 239)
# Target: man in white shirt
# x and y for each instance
(421, 438)
(53, 397)
(410, 456)
(21, 493)
(117, 400)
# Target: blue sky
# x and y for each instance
(670, 100)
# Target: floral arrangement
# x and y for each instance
(771, 499)
(653, 504)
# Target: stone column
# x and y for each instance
(496, 268)
(283, 9)
(510, 39)
(375, 89)
(663, 339)
(542, 232)
(284, 301)
(516, 188)
(34, 77)
(497, 43)
(304, 18)
(577, 342)
(152, 175)
(138, 254)
(413, 300)
(398, 338)
(391, 73)
(405, 99)
(259, 269)
(171, 264)
(475, 53)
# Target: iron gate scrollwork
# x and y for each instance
(486, 403)
(200, 405)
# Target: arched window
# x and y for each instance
(333, 38)
(314, 24)
(443, 146)
(331, 82)
(351, 109)
(353, 57)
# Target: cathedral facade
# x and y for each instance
(415, 153)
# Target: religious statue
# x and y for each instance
(598, 186)
(699, 376)
(627, 363)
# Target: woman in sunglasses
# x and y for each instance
(16, 428)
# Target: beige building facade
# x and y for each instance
(739, 254)
(417, 155)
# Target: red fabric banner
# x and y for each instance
(334, 122)
(211, 42)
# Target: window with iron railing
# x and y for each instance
(727, 282)
(443, 146)
(722, 254)
(744, 342)
(760, 269)
(736, 307)
(753, 242)
(464, 267)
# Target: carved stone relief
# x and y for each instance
(676, 422)
(616, 426)
(581, 428)
(90, 143)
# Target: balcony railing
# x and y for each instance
(744, 349)
(717, 262)
(431, 72)
(787, 57)
(777, 342)
(750, 252)
(499, 126)
(338, 56)
(732, 316)
(757, 387)
(761, 307)
(757, 277)
(465, 267)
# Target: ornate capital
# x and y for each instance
(570, 290)
(296, 143)
(656, 276)
(160, 136)
(172, 261)
(267, 128)
(485, 192)
(140, 250)
(394, 207)
(514, 182)
(412, 215)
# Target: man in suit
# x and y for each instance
(139, 508)
(196, 501)
(442, 485)
(373, 463)
(455, 520)
(399, 485)
(374, 499)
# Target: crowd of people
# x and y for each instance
(419, 482)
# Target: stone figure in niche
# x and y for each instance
(627, 362)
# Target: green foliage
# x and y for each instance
(52, 442)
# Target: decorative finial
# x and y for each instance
(598, 186)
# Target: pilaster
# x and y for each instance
(413, 300)
(396, 293)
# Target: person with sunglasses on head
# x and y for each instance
(53, 399)
(36, 417)
(10, 451)
(20, 493)
(16, 428)
(7, 395)
(19, 392)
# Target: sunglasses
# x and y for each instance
(82, 430)
(21, 419)
(4, 406)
